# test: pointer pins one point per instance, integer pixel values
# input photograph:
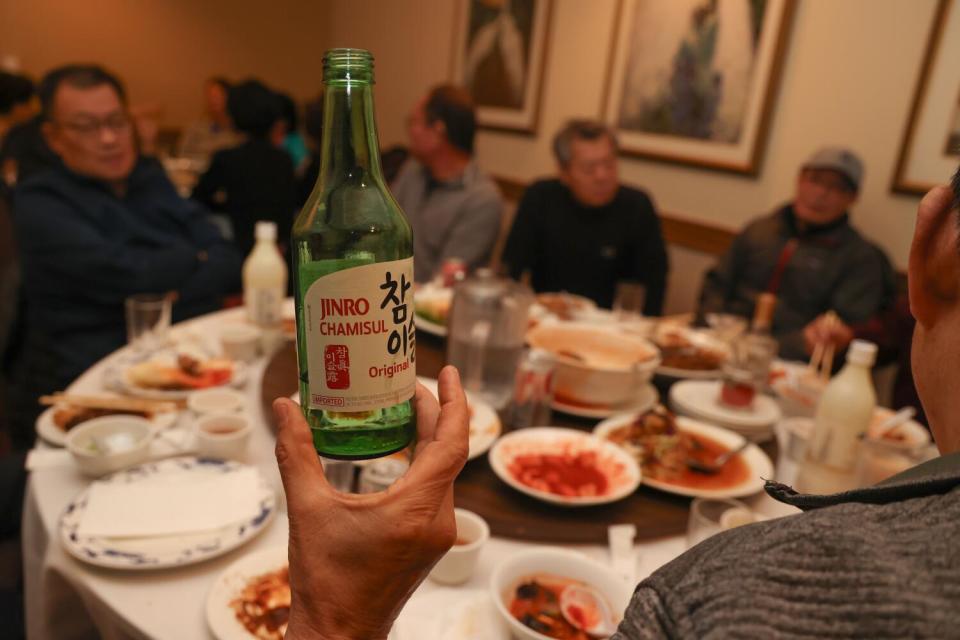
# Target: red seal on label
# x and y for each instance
(336, 364)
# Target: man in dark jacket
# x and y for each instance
(100, 226)
(585, 232)
(807, 254)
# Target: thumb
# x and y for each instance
(300, 467)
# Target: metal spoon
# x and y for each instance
(586, 609)
(717, 464)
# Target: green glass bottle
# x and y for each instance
(353, 274)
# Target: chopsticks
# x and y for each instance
(821, 362)
(109, 402)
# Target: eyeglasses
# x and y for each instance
(90, 127)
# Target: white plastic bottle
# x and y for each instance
(842, 417)
(264, 278)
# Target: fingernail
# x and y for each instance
(281, 411)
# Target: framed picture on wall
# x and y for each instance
(694, 81)
(930, 149)
(500, 52)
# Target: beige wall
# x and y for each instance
(848, 79)
(164, 49)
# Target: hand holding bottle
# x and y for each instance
(356, 558)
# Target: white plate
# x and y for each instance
(228, 586)
(555, 440)
(116, 377)
(431, 294)
(161, 552)
(644, 401)
(485, 424)
(52, 434)
(761, 468)
(699, 397)
(430, 327)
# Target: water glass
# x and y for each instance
(148, 319)
(628, 299)
(710, 516)
(746, 371)
(339, 473)
(726, 326)
(533, 391)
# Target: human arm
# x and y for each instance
(520, 250)
(356, 558)
(650, 262)
(474, 233)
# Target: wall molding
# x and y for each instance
(678, 229)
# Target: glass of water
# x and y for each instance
(148, 319)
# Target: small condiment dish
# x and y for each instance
(110, 443)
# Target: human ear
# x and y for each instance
(934, 268)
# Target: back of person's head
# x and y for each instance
(15, 89)
(288, 111)
(79, 76)
(253, 107)
(453, 106)
(579, 129)
(313, 119)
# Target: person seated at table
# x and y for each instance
(879, 562)
(584, 231)
(215, 131)
(253, 181)
(101, 225)
(18, 101)
(892, 331)
(287, 133)
(453, 206)
(808, 254)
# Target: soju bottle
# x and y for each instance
(353, 270)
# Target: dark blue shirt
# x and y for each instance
(84, 250)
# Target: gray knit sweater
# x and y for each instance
(882, 562)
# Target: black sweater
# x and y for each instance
(586, 250)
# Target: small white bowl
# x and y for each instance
(240, 342)
(457, 565)
(131, 433)
(217, 400)
(561, 563)
(223, 435)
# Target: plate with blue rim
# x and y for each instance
(164, 552)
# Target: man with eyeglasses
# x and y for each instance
(808, 255)
(102, 224)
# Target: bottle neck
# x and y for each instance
(349, 150)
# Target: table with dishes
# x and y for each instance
(162, 514)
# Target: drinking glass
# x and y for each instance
(746, 371)
(881, 459)
(710, 516)
(726, 326)
(533, 390)
(148, 319)
(628, 299)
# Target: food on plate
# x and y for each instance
(536, 604)
(66, 417)
(678, 351)
(188, 373)
(573, 474)
(263, 607)
(663, 449)
(586, 346)
(564, 305)
(433, 304)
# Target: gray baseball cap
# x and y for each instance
(838, 159)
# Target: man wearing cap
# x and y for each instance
(807, 254)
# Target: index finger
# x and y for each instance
(441, 458)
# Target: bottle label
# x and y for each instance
(361, 337)
(264, 305)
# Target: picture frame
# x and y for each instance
(499, 55)
(693, 82)
(930, 146)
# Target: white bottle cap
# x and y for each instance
(862, 352)
(265, 230)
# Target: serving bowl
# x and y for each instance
(596, 364)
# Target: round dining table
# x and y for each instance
(67, 598)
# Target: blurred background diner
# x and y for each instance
(674, 210)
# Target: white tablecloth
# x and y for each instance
(68, 599)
